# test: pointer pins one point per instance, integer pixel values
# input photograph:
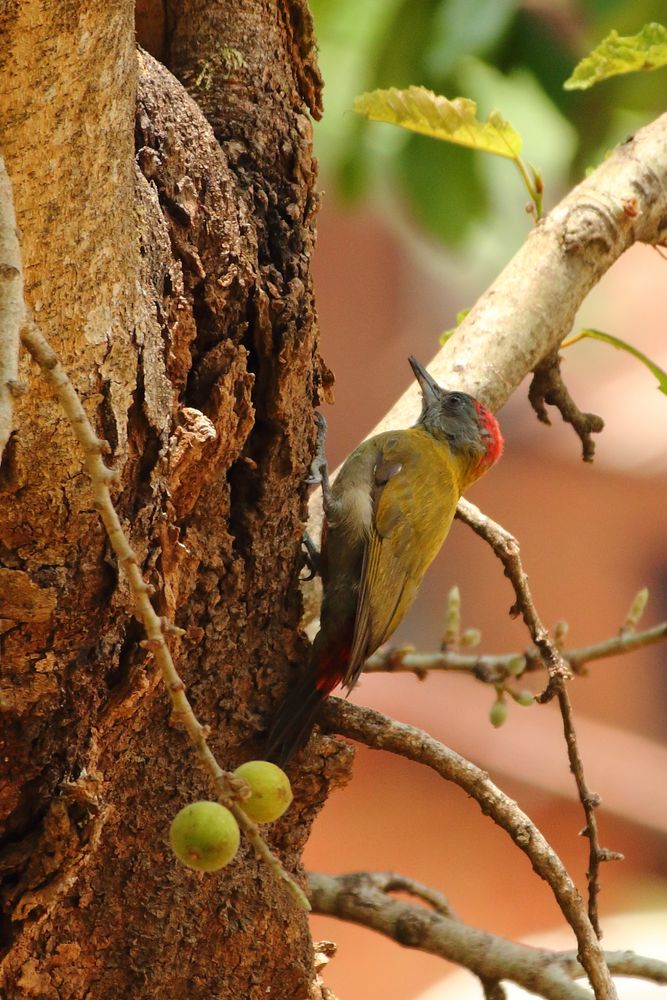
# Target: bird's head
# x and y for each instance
(460, 420)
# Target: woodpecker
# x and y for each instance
(385, 518)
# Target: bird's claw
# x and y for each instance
(311, 557)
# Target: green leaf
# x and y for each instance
(621, 345)
(420, 110)
(446, 334)
(618, 54)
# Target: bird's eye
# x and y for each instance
(455, 400)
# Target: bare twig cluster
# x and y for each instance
(506, 547)
(365, 898)
(380, 732)
(496, 668)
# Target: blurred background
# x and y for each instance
(411, 231)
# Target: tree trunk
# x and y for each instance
(179, 298)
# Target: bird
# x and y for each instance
(386, 516)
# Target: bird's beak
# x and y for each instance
(431, 391)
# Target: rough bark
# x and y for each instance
(179, 298)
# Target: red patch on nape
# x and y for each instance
(491, 435)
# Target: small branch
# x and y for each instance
(625, 642)
(382, 733)
(387, 882)
(493, 990)
(228, 788)
(548, 386)
(12, 308)
(534, 187)
(495, 668)
(391, 882)
(363, 898)
(506, 548)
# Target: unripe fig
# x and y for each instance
(271, 790)
(204, 836)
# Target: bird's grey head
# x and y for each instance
(457, 418)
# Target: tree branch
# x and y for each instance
(12, 309)
(530, 308)
(363, 898)
(547, 387)
(494, 668)
(506, 548)
(521, 319)
(382, 733)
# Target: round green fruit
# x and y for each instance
(204, 836)
(271, 790)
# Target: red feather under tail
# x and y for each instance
(298, 713)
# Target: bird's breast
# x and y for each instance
(356, 512)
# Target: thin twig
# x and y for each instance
(534, 187)
(228, 788)
(387, 882)
(12, 308)
(506, 548)
(392, 882)
(363, 897)
(548, 386)
(382, 733)
(493, 989)
(494, 668)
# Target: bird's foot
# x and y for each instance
(315, 475)
(312, 560)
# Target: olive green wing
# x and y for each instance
(414, 495)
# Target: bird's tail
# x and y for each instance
(294, 722)
(297, 715)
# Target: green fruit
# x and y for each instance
(271, 790)
(204, 835)
(498, 713)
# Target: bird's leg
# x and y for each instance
(319, 469)
(315, 475)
